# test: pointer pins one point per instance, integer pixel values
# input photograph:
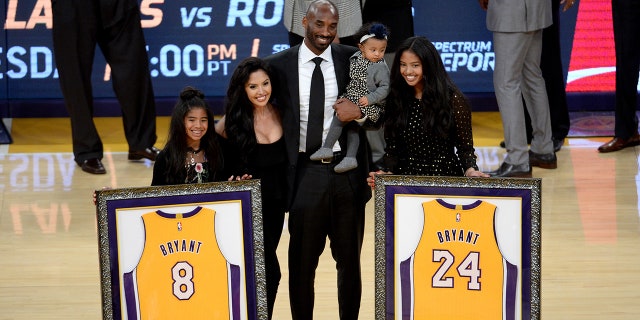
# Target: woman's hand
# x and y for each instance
(242, 177)
(471, 172)
(371, 180)
(95, 200)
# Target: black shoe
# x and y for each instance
(557, 144)
(379, 166)
(93, 166)
(510, 170)
(504, 145)
(545, 161)
(148, 153)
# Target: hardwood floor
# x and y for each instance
(48, 235)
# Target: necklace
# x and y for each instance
(192, 155)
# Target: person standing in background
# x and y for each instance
(398, 17)
(626, 33)
(321, 202)
(80, 25)
(350, 14)
(517, 39)
(553, 74)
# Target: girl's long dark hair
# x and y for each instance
(437, 92)
(239, 110)
(176, 146)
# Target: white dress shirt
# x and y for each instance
(305, 70)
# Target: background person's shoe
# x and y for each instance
(510, 170)
(618, 144)
(504, 145)
(557, 144)
(545, 161)
(149, 153)
(93, 166)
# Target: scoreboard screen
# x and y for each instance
(200, 42)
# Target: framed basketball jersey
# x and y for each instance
(182, 272)
(182, 252)
(457, 248)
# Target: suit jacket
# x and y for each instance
(284, 67)
(518, 15)
(396, 14)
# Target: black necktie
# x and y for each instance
(316, 108)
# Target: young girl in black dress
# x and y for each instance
(192, 153)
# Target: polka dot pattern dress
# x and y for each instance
(421, 151)
(357, 87)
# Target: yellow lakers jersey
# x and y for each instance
(458, 267)
(182, 273)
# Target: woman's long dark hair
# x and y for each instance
(239, 110)
(176, 146)
(437, 91)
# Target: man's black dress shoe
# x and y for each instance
(93, 166)
(618, 143)
(545, 161)
(510, 170)
(557, 144)
(148, 153)
(504, 145)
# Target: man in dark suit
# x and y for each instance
(626, 31)
(322, 203)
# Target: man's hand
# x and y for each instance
(567, 4)
(347, 110)
(484, 4)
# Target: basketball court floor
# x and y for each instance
(49, 261)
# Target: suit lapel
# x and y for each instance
(293, 83)
(340, 64)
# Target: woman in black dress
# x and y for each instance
(253, 145)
